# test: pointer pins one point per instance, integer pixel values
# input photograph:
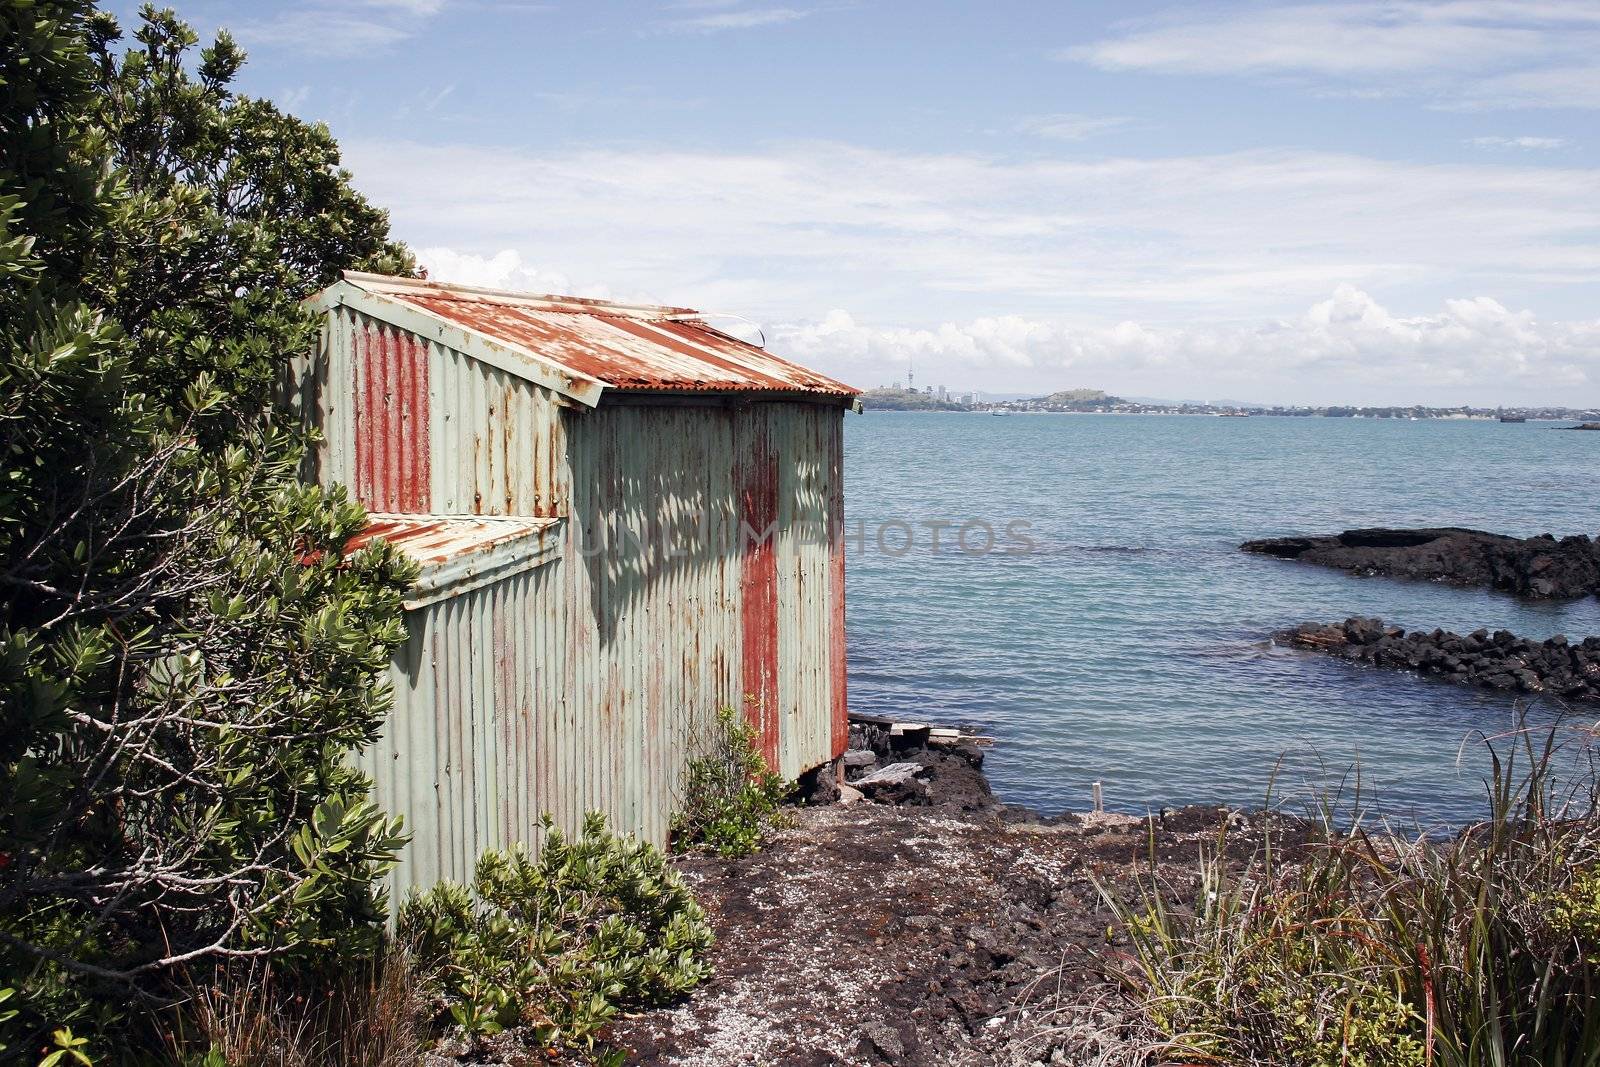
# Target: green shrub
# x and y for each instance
(731, 797)
(558, 942)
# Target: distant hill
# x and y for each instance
(1077, 400)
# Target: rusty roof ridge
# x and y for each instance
(700, 317)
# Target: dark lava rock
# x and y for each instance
(892, 770)
(1500, 660)
(1530, 567)
(1581, 426)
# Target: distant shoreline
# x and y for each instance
(869, 410)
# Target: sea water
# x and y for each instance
(1114, 632)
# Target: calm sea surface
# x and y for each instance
(1128, 644)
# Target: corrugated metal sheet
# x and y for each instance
(411, 425)
(627, 347)
(456, 553)
(571, 655)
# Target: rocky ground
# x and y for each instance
(1501, 660)
(1531, 567)
(941, 929)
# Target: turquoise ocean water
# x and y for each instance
(1128, 642)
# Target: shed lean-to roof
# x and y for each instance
(583, 347)
(459, 553)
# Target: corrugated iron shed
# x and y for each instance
(582, 347)
(625, 520)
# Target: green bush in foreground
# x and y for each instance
(1363, 949)
(731, 798)
(558, 942)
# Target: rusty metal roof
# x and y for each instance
(459, 553)
(585, 346)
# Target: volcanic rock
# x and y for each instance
(1538, 567)
(1500, 660)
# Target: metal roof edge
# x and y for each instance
(712, 396)
(474, 570)
(513, 359)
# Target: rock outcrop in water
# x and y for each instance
(1530, 567)
(1500, 660)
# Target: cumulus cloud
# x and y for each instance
(783, 230)
(999, 266)
(505, 269)
(1468, 53)
(1348, 348)
(1345, 348)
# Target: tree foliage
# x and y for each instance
(187, 656)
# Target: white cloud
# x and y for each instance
(1466, 53)
(1517, 142)
(1011, 249)
(505, 269)
(1555, 87)
(1070, 127)
(326, 28)
(740, 19)
(1209, 235)
(322, 32)
(1347, 348)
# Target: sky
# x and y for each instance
(1338, 202)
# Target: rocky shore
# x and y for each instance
(1542, 566)
(919, 921)
(1499, 660)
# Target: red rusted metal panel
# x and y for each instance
(758, 586)
(392, 450)
(659, 350)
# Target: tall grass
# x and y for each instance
(1356, 946)
(251, 1016)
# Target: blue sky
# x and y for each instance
(1333, 202)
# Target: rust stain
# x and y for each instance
(391, 445)
(431, 540)
(758, 586)
(626, 348)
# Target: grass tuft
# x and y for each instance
(1363, 947)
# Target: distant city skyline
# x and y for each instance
(1351, 201)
